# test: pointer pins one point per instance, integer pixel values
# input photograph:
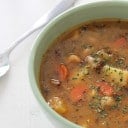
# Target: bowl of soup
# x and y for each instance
(78, 67)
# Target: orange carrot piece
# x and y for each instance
(105, 88)
(77, 93)
(63, 72)
(120, 42)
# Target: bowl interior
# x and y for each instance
(73, 17)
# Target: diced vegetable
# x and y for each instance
(77, 93)
(79, 74)
(82, 72)
(105, 88)
(73, 58)
(115, 75)
(58, 105)
(63, 72)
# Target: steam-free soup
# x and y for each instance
(84, 74)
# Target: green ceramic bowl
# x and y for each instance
(75, 16)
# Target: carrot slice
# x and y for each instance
(77, 93)
(120, 42)
(63, 72)
(105, 88)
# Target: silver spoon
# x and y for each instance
(56, 10)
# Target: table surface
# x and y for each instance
(18, 106)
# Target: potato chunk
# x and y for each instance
(80, 73)
(58, 105)
(73, 59)
(115, 75)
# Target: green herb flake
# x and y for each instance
(118, 98)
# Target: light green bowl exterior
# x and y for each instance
(75, 16)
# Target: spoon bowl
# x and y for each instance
(4, 63)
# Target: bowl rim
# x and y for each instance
(36, 43)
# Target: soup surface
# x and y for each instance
(84, 74)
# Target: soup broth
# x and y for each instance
(84, 74)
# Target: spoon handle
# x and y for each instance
(60, 7)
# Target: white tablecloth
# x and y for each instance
(18, 106)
